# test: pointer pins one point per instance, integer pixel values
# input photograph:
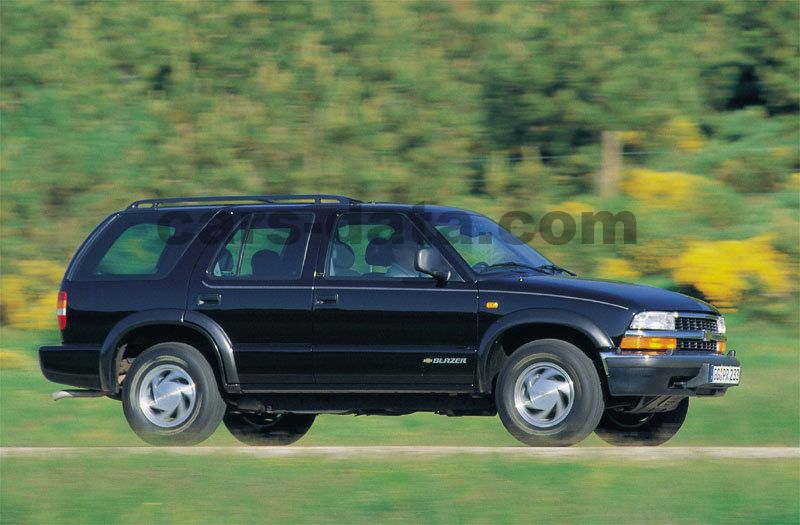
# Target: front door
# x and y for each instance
(257, 287)
(379, 324)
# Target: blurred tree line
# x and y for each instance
(496, 106)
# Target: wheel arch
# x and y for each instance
(135, 333)
(512, 331)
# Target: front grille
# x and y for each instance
(685, 324)
(696, 345)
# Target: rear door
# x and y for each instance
(257, 286)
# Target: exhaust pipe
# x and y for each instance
(63, 394)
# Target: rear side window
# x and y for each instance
(137, 251)
(143, 245)
(265, 246)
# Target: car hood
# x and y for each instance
(632, 296)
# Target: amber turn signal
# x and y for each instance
(638, 342)
(721, 347)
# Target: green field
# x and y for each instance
(160, 488)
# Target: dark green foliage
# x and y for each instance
(495, 105)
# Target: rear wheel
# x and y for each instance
(268, 429)
(170, 396)
(549, 394)
(622, 429)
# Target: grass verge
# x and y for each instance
(160, 488)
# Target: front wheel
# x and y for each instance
(549, 394)
(621, 429)
(268, 429)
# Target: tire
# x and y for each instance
(190, 405)
(268, 429)
(621, 429)
(567, 406)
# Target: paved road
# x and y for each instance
(636, 453)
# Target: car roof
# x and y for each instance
(279, 202)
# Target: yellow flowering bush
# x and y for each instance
(666, 189)
(631, 138)
(619, 269)
(28, 298)
(725, 270)
(575, 208)
(652, 257)
(684, 134)
(793, 182)
(13, 359)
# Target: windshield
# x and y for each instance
(485, 245)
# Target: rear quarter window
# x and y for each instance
(144, 245)
(137, 251)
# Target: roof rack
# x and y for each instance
(317, 198)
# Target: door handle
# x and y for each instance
(327, 298)
(209, 299)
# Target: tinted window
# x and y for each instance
(485, 245)
(137, 251)
(374, 245)
(143, 245)
(266, 246)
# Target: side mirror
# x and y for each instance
(430, 261)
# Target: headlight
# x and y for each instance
(654, 321)
(720, 325)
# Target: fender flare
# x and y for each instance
(534, 316)
(202, 324)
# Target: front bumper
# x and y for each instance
(667, 375)
(74, 365)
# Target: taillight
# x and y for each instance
(61, 310)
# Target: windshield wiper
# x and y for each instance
(550, 269)
(511, 264)
(555, 269)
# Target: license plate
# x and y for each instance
(724, 375)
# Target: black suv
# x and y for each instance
(264, 311)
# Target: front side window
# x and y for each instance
(374, 246)
(265, 246)
(485, 245)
